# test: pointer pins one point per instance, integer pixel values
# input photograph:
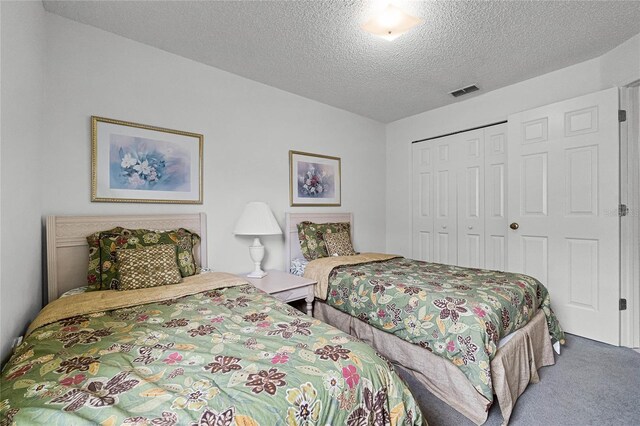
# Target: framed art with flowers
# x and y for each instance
(314, 179)
(136, 163)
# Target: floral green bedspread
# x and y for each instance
(232, 356)
(457, 313)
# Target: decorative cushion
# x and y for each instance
(311, 236)
(339, 244)
(129, 239)
(147, 267)
(94, 273)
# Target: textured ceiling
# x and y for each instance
(317, 49)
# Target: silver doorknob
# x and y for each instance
(444, 226)
(514, 226)
(469, 227)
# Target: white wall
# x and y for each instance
(618, 67)
(22, 94)
(248, 129)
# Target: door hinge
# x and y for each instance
(622, 115)
(623, 210)
(623, 304)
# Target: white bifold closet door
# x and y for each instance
(422, 201)
(495, 196)
(435, 201)
(445, 215)
(459, 207)
(563, 205)
(470, 226)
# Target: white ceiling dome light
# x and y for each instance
(391, 22)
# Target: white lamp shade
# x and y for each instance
(257, 219)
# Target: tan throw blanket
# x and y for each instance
(99, 301)
(319, 269)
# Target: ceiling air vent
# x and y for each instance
(464, 90)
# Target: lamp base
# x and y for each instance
(257, 254)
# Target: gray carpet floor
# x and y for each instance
(591, 384)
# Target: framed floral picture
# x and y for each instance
(136, 163)
(314, 179)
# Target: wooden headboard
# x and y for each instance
(68, 253)
(291, 241)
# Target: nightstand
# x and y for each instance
(286, 287)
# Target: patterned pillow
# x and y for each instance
(311, 236)
(94, 273)
(339, 244)
(147, 267)
(186, 242)
(128, 239)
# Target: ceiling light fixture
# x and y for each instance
(391, 22)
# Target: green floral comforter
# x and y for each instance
(231, 356)
(457, 313)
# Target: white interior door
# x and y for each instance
(495, 221)
(564, 194)
(470, 170)
(422, 201)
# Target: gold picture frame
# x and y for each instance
(138, 163)
(314, 180)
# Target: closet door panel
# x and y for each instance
(423, 200)
(496, 225)
(496, 253)
(470, 194)
(446, 203)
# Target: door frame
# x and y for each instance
(630, 224)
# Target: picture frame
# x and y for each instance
(137, 163)
(314, 180)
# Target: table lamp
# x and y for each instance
(257, 219)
